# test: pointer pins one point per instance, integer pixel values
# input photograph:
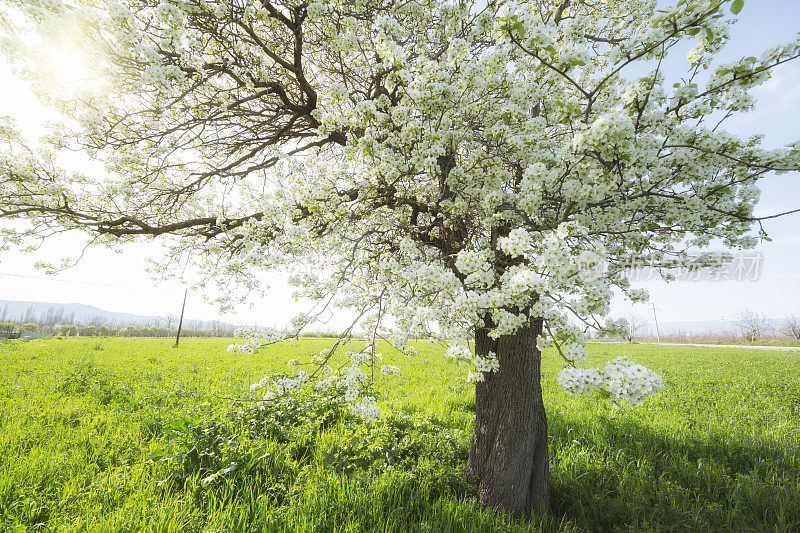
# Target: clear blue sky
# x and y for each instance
(118, 282)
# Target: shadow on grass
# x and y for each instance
(405, 473)
(619, 474)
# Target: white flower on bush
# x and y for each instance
(469, 261)
(630, 381)
(487, 364)
(364, 357)
(390, 370)
(264, 381)
(289, 384)
(399, 339)
(473, 377)
(321, 356)
(578, 381)
(517, 242)
(256, 338)
(352, 376)
(460, 352)
(326, 384)
(241, 348)
(350, 395)
(366, 409)
(280, 385)
(621, 378)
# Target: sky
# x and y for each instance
(119, 281)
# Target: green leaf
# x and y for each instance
(737, 6)
(520, 27)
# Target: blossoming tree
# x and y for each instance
(444, 164)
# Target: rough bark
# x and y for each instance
(509, 454)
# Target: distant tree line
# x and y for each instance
(51, 317)
(59, 322)
(13, 329)
(748, 326)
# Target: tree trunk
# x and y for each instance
(509, 455)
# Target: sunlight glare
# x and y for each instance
(67, 67)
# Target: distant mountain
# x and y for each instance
(696, 326)
(55, 313)
(73, 313)
(700, 327)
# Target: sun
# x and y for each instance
(67, 67)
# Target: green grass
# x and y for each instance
(117, 434)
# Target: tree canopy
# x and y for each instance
(443, 163)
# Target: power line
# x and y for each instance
(77, 282)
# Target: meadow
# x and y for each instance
(133, 434)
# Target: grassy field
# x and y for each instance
(131, 434)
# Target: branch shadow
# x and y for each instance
(618, 474)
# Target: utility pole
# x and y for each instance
(655, 317)
(180, 322)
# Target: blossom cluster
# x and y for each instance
(390, 370)
(350, 381)
(462, 354)
(280, 385)
(517, 242)
(366, 409)
(621, 378)
(486, 364)
(579, 381)
(630, 381)
(256, 338)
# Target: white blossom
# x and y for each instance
(390, 370)
(621, 378)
